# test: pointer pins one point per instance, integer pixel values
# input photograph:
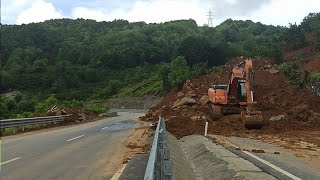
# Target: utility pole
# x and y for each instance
(210, 18)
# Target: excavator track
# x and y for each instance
(254, 120)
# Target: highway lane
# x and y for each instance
(75, 152)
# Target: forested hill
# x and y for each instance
(88, 59)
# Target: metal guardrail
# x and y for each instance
(7, 123)
(159, 165)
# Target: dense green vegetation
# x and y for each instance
(77, 58)
(84, 59)
(21, 106)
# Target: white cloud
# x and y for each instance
(10, 9)
(276, 12)
(87, 13)
(166, 10)
(39, 11)
(283, 12)
(148, 11)
(232, 2)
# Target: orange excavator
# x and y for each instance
(237, 96)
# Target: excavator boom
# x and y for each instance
(251, 118)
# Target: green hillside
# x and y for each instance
(85, 60)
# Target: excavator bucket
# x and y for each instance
(216, 112)
(252, 120)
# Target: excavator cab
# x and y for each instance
(242, 94)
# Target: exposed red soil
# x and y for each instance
(308, 56)
(273, 93)
(311, 66)
(307, 53)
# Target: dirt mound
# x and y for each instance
(306, 53)
(311, 66)
(308, 56)
(76, 115)
(187, 110)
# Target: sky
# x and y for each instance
(275, 12)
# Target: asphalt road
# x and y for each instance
(283, 165)
(75, 152)
(285, 160)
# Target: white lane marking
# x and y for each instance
(75, 138)
(104, 128)
(273, 166)
(268, 164)
(117, 175)
(14, 159)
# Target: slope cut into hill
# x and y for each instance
(285, 108)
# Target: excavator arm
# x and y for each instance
(252, 119)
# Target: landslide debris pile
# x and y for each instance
(284, 107)
(76, 115)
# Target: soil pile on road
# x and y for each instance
(76, 115)
(284, 106)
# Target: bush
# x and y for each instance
(42, 107)
(97, 109)
(112, 88)
(290, 69)
(24, 115)
(18, 97)
(163, 71)
(26, 105)
(9, 102)
(179, 72)
(313, 77)
(73, 103)
(199, 69)
(4, 112)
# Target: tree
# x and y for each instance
(163, 73)
(18, 97)
(179, 72)
(112, 88)
(26, 106)
(75, 58)
(6, 81)
(4, 112)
